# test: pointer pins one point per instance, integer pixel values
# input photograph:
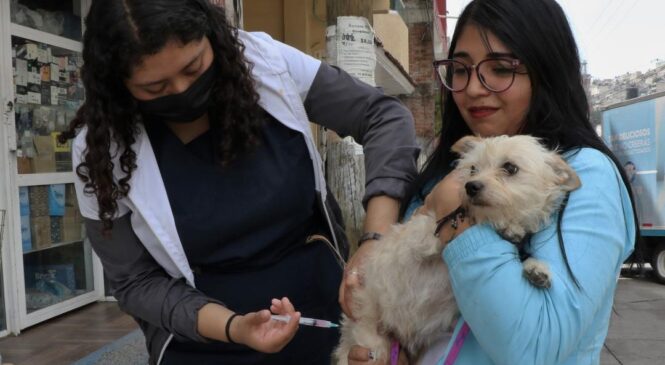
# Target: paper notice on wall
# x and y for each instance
(354, 41)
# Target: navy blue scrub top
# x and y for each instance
(247, 214)
(243, 228)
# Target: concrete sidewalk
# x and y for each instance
(637, 329)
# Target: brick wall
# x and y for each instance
(421, 102)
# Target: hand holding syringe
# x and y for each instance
(306, 321)
(254, 329)
(286, 318)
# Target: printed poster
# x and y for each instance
(631, 132)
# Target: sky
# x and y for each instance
(613, 36)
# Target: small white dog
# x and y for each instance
(512, 183)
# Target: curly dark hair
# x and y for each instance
(118, 34)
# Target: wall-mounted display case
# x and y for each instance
(47, 263)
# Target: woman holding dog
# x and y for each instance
(514, 68)
(202, 188)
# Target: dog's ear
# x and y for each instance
(465, 144)
(567, 176)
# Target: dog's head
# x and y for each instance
(506, 180)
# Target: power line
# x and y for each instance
(601, 15)
(625, 15)
(608, 20)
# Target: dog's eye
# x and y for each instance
(473, 170)
(510, 169)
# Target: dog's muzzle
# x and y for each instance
(473, 188)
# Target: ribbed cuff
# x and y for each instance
(392, 187)
(192, 314)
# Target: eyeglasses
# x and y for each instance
(495, 74)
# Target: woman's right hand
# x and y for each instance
(258, 331)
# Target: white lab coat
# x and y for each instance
(284, 76)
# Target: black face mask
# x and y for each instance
(185, 107)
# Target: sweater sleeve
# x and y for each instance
(143, 289)
(517, 323)
(380, 123)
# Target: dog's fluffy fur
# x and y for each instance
(512, 183)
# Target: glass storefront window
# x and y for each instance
(48, 92)
(55, 266)
(56, 259)
(62, 18)
(55, 275)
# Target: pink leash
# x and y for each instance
(457, 345)
(452, 354)
(394, 352)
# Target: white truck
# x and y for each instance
(635, 131)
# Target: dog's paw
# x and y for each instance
(537, 273)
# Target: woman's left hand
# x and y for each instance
(444, 198)
(359, 355)
(352, 278)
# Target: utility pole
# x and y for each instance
(337, 8)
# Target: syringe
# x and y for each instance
(307, 321)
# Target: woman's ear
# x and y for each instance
(465, 144)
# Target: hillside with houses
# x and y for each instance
(605, 92)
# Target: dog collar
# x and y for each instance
(454, 216)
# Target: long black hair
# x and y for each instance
(538, 33)
(118, 34)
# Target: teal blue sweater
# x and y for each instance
(513, 322)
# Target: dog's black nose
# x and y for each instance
(473, 188)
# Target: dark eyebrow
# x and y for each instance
(460, 55)
(489, 55)
(151, 83)
(501, 55)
